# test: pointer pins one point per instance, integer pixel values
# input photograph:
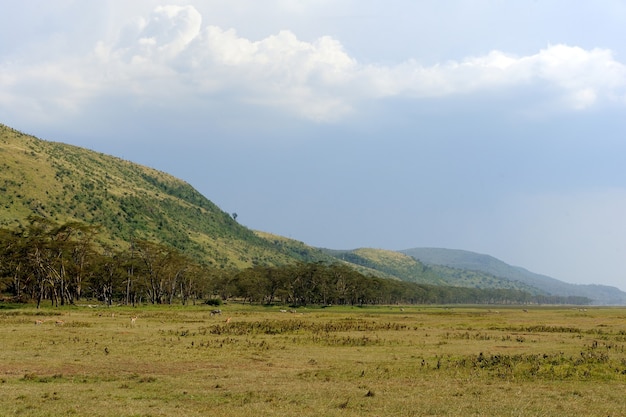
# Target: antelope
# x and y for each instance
(228, 320)
(59, 323)
(214, 312)
(38, 322)
(133, 320)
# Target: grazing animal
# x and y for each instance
(38, 322)
(59, 323)
(228, 320)
(214, 312)
(283, 311)
(133, 320)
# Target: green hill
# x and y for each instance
(389, 264)
(67, 183)
(404, 267)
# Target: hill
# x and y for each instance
(129, 202)
(65, 183)
(387, 264)
(470, 261)
(399, 265)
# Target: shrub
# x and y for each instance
(214, 302)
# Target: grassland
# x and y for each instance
(379, 361)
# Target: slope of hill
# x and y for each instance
(388, 264)
(407, 268)
(465, 260)
(67, 183)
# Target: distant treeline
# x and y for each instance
(323, 284)
(62, 263)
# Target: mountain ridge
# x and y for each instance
(463, 259)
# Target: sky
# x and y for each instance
(497, 127)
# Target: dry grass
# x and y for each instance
(375, 361)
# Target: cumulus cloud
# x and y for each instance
(165, 35)
(581, 77)
(170, 53)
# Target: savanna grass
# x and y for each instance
(415, 361)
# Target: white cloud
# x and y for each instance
(581, 77)
(170, 53)
(169, 31)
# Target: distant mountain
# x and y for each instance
(470, 261)
(398, 265)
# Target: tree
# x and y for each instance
(154, 260)
(108, 270)
(191, 282)
(82, 254)
(175, 271)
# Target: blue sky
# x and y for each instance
(492, 126)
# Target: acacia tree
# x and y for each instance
(38, 254)
(175, 270)
(311, 276)
(14, 269)
(70, 250)
(344, 284)
(190, 282)
(250, 285)
(161, 269)
(82, 254)
(108, 271)
(226, 284)
(276, 280)
(153, 259)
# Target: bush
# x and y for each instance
(214, 302)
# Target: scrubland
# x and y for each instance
(338, 361)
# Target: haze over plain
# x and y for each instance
(495, 127)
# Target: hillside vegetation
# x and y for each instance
(407, 268)
(387, 263)
(130, 202)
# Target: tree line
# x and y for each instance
(63, 264)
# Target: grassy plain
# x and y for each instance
(378, 361)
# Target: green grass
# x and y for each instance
(415, 361)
